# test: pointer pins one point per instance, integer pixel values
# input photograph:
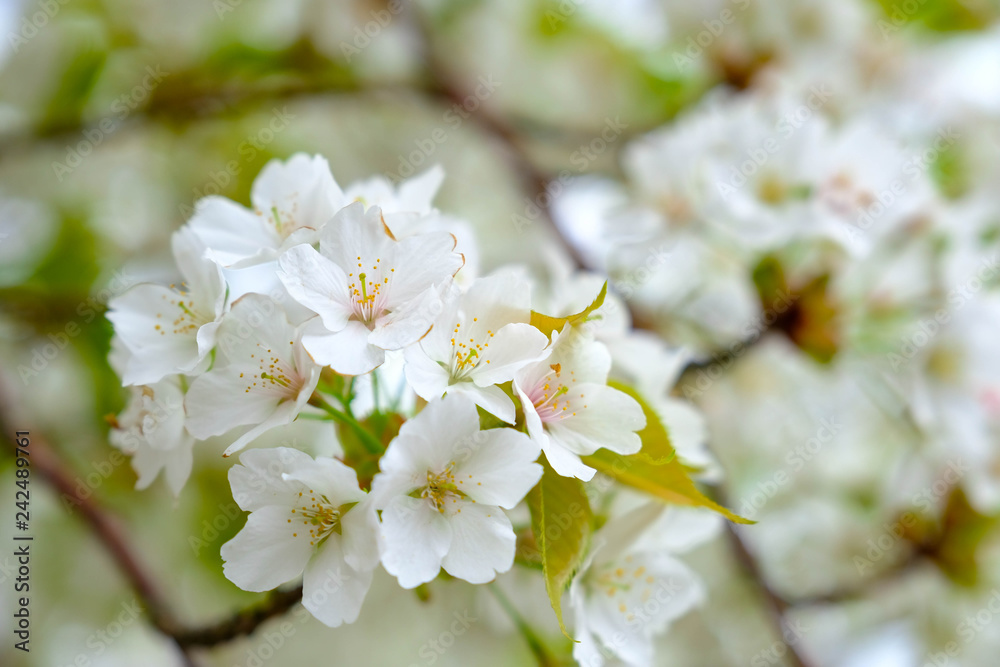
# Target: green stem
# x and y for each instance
(534, 643)
(370, 442)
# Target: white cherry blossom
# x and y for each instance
(290, 202)
(372, 292)
(442, 486)
(168, 330)
(306, 516)
(631, 587)
(262, 377)
(151, 428)
(569, 409)
(480, 339)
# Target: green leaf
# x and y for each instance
(655, 470)
(561, 523)
(547, 324)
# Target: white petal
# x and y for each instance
(204, 279)
(360, 529)
(511, 348)
(408, 321)
(257, 480)
(609, 420)
(230, 231)
(156, 332)
(302, 189)
(423, 260)
(332, 590)
(428, 441)
(566, 463)
(268, 551)
(427, 377)
(316, 283)
(333, 479)
(215, 404)
(417, 193)
(285, 413)
(482, 543)
(493, 399)
(496, 467)
(415, 539)
(347, 351)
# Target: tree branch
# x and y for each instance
(46, 462)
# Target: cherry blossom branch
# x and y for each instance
(47, 463)
(775, 604)
(244, 622)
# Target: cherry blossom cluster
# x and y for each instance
(290, 308)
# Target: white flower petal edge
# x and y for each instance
(442, 489)
(291, 201)
(625, 595)
(151, 429)
(262, 378)
(307, 517)
(481, 339)
(169, 331)
(372, 292)
(569, 409)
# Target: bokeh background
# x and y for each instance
(116, 116)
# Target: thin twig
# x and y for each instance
(243, 623)
(46, 462)
(776, 605)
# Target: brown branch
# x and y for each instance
(242, 623)
(776, 605)
(46, 462)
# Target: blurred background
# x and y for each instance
(872, 470)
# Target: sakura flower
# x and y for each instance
(569, 409)
(291, 201)
(441, 488)
(480, 339)
(305, 516)
(372, 292)
(263, 377)
(632, 587)
(151, 429)
(168, 331)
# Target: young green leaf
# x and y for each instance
(547, 324)
(655, 470)
(561, 522)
